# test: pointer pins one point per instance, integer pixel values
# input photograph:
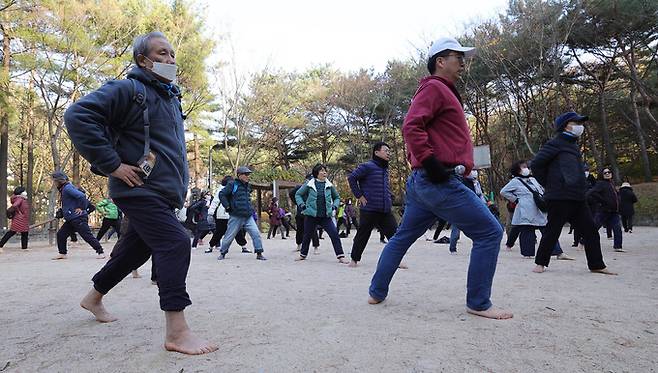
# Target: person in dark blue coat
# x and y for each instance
(148, 179)
(606, 199)
(558, 166)
(75, 214)
(370, 185)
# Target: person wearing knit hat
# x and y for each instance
(627, 199)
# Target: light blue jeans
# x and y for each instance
(235, 223)
(453, 202)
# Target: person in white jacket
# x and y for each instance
(217, 212)
(527, 216)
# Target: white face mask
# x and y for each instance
(474, 174)
(164, 70)
(525, 172)
(586, 173)
(577, 129)
(24, 194)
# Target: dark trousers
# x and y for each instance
(578, 214)
(220, 230)
(528, 240)
(299, 233)
(627, 222)
(273, 229)
(10, 234)
(106, 225)
(439, 227)
(152, 230)
(513, 235)
(612, 222)
(310, 223)
(386, 223)
(199, 234)
(81, 226)
(342, 221)
(286, 224)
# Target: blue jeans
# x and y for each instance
(454, 202)
(235, 223)
(454, 237)
(610, 219)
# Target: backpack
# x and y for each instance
(139, 97)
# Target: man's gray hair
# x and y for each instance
(141, 44)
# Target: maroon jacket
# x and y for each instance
(21, 221)
(435, 125)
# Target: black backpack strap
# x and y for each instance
(139, 96)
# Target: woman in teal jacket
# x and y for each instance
(317, 199)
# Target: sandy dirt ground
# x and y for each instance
(312, 316)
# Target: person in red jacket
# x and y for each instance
(20, 222)
(440, 151)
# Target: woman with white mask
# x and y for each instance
(528, 217)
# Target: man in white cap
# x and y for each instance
(438, 144)
(236, 199)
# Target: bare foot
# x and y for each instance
(93, 302)
(60, 256)
(539, 269)
(136, 274)
(300, 258)
(528, 257)
(507, 248)
(492, 313)
(372, 300)
(100, 256)
(154, 282)
(564, 256)
(604, 271)
(179, 337)
(353, 264)
(316, 250)
(343, 260)
(403, 265)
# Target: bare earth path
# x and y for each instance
(312, 316)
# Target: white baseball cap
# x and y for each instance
(441, 44)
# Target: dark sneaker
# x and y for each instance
(443, 239)
(260, 256)
(221, 257)
(245, 250)
(208, 250)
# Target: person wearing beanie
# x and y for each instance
(439, 147)
(76, 218)
(20, 218)
(236, 199)
(317, 199)
(558, 166)
(627, 199)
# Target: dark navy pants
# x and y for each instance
(81, 226)
(152, 229)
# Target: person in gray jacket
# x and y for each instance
(527, 216)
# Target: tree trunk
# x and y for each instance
(197, 166)
(4, 129)
(646, 166)
(611, 156)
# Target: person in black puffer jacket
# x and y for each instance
(604, 195)
(626, 201)
(558, 166)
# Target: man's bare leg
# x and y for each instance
(180, 338)
(492, 313)
(93, 302)
(539, 269)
